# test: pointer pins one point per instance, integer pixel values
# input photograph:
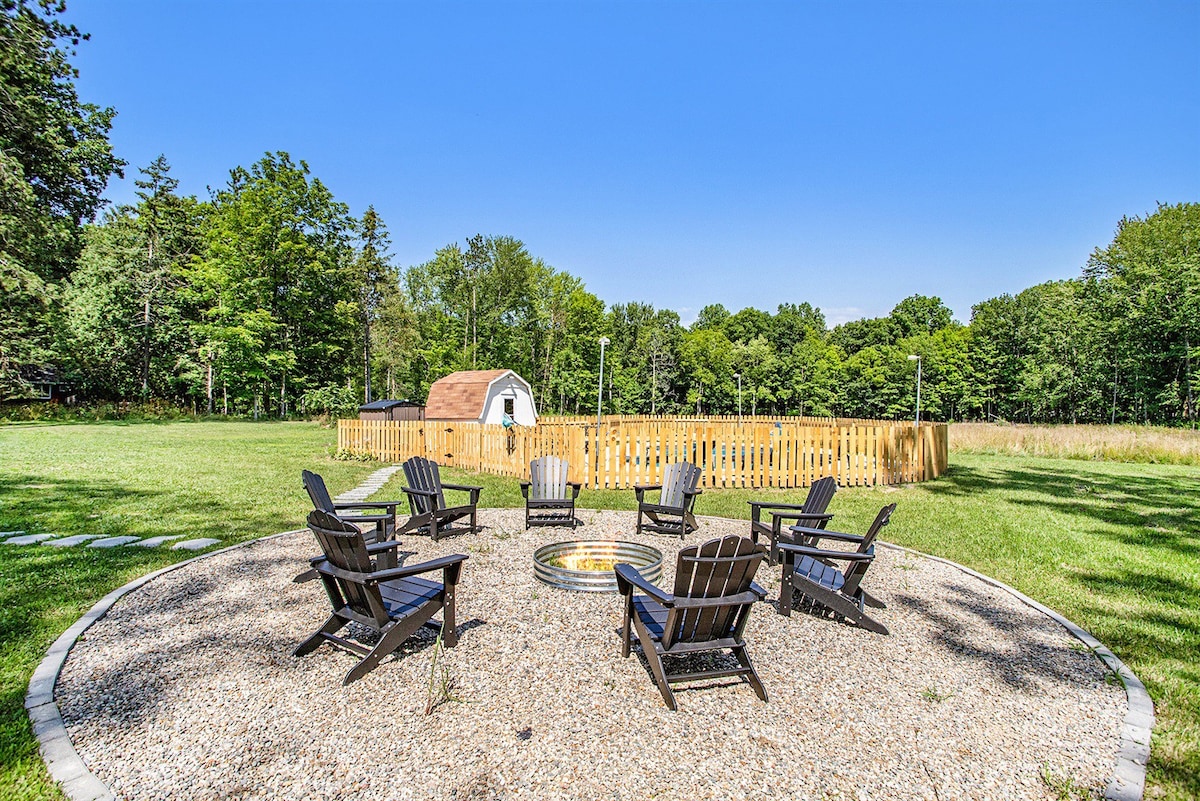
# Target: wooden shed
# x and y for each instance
(391, 410)
(482, 396)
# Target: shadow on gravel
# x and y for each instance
(1002, 641)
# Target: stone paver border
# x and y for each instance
(79, 784)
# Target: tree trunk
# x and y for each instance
(367, 359)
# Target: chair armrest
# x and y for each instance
(645, 487)
(758, 590)
(805, 531)
(803, 516)
(821, 553)
(463, 487)
(366, 504)
(475, 491)
(628, 578)
(693, 493)
(322, 566)
(757, 505)
(351, 518)
(575, 487)
(525, 485)
(426, 493)
(423, 567)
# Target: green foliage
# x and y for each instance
(330, 399)
(276, 285)
(55, 160)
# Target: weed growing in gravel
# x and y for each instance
(442, 685)
(932, 695)
(1064, 787)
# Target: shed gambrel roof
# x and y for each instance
(461, 395)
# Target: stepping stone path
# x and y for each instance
(154, 542)
(28, 539)
(194, 545)
(77, 539)
(112, 542)
(373, 484)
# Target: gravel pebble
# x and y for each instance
(187, 688)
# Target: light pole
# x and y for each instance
(738, 376)
(600, 389)
(917, 417)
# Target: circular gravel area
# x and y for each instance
(188, 689)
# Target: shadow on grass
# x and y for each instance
(1152, 511)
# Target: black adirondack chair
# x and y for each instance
(811, 572)
(677, 495)
(427, 501)
(811, 513)
(394, 602)
(382, 521)
(549, 497)
(714, 592)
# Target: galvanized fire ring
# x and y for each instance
(646, 559)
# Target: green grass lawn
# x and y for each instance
(230, 480)
(1112, 546)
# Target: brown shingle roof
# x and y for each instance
(460, 396)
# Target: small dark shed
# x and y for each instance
(391, 410)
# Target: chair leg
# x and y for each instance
(625, 638)
(449, 629)
(871, 600)
(656, 665)
(744, 659)
(308, 646)
(392, 639)
(785, 591)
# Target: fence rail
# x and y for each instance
(764, 452)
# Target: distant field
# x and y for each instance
(1140, 444)
(1113, 546)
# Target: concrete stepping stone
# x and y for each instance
(11, 533)
(76, 539)
(28, 539)
(154, 542)
(194, 545)
(112, 542)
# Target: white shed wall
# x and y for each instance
(509, 386)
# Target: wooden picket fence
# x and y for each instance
(763, 452)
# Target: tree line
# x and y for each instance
(269, 297)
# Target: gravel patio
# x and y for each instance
(187, 689)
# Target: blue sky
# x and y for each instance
(844, 154)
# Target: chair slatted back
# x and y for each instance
(423, 474)
(717, 568)
(314, 485)
(819, 495)
(678, 478)
(548, 479)
(344, 547)
(855, 570)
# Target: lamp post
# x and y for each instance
(917, 417)
(600, 389)
(738, 376)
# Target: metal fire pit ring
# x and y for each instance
(646, 559)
